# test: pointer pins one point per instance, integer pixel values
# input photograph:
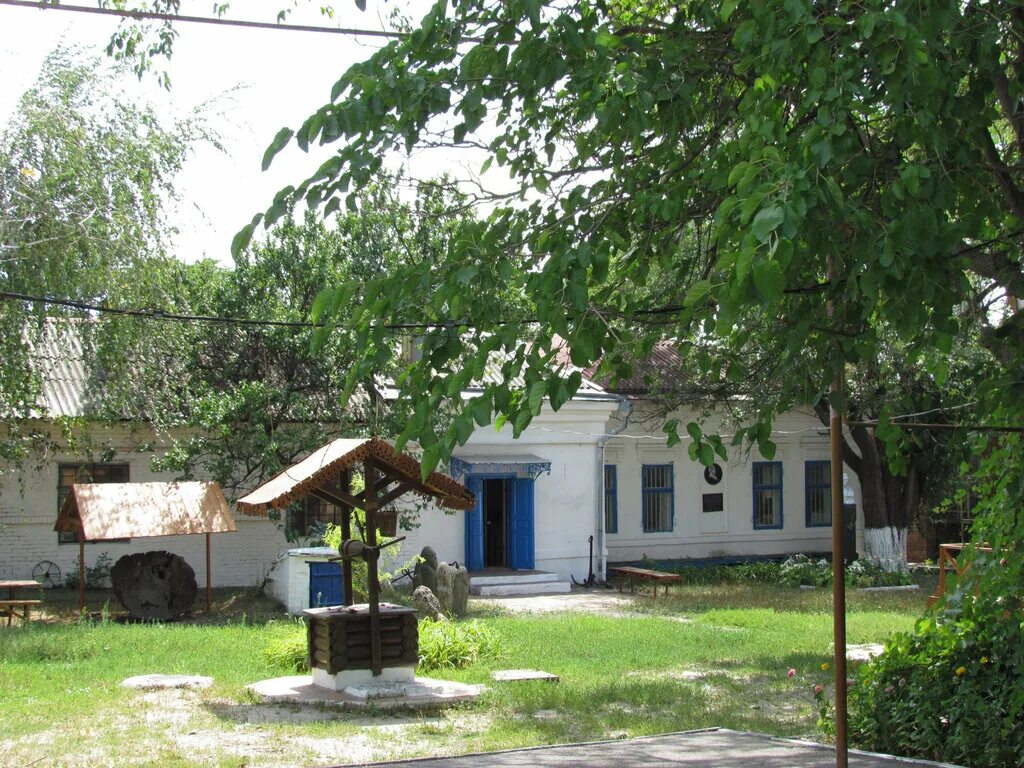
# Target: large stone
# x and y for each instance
(445, 577)
(460, 591)
(426, 603)
(425, 573)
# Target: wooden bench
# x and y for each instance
(10, 609)
(633, 575)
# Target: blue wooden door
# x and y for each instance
(520, 546)
(325, 585)
(475, 527)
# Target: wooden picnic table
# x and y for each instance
(12, 606)
(633, 575)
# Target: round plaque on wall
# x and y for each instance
(713, 474)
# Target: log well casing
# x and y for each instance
(339, 637)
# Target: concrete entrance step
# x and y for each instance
(517, 583)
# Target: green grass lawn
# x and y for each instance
(704, 656)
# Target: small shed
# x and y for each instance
(103, 511)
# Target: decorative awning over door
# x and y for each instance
(521, 465)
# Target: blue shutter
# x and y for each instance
(475, 527)
(325, 585)
(521, 528)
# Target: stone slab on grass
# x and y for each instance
(517, 675)
(864, 652)
(158, 682)
(423, 692)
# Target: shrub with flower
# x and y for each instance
(952, 691)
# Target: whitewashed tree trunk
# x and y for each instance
(887, 546)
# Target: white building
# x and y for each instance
(589, 470)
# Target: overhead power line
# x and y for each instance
(156, 314)
(154, 16)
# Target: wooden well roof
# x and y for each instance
(323, 466)
(126, 510)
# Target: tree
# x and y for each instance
(769, 138)
(725, 149)
(251, 397)
(85, 178)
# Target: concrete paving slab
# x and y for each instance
(714, 748)
(160, 682)
(423, 692)
(519, 675)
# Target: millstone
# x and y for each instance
(154, 585)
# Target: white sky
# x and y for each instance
(278, 78)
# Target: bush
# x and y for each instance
(443, 645)
(97, 576)
(801, 570)
(290, 652)
(453, 645)
(951, 690)
(741, 573)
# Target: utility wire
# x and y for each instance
(156, 314)
(154, 16)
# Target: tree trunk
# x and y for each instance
(889, 501)
(154, 585)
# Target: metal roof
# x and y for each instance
(57, 355)
(325, 463)
(126, 510)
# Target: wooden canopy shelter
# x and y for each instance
(103, 511)
(387, 474)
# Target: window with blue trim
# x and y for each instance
(818, 493)
(611, 499)
(767, 483)
(658, 491)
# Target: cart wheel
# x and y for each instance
(46, 573)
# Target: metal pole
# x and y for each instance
(209, 577)
(81, 573)
(838, 524)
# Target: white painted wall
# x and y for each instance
(28, 510)
(565, 501)
(799, 437)
(288, 580)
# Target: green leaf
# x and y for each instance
(697, 291)
(536, 396)
(727, 9)
(320, 303)
(241, 240)
(767, 221)
(706, 454)
(280, 140)
(768, 279)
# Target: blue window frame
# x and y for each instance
(767, 486)
(611, 499)
(658, 503)
(817, 493)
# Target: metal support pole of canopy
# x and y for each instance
(209, 577)
(81, 573)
